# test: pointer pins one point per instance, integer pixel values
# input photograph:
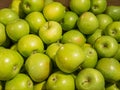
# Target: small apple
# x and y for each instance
(2, 34)
(69, 57)
(110, 68)
(54, 11)
(87, 23)
(50, 32)
(20, 82)
(90, 79)
(79, 6)
(39, 86)
(60, 81)
(35, 20)
(112, 87)
(106, 46)
(29, 6)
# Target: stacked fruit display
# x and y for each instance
(45, 45)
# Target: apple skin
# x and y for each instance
(98, 6)
(50, 32)
(2, 34)
(79, 6)
(110, 68)
(60, 81)
(104, 20)
(39, 86)
(106, 44)
(54, 11)
(87, 23)
(20, 81)
(69, 57)
(113, 30)
(69, 20)
(29, 6)
(112, 87)
(90, 79)
(117, 55)
(35, 20)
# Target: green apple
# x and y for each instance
(110, 68)
(10, 64)
(54, 11)
(112, 87)
(90, 79)
(79, 6)
(113, 30)
(114, 12)
(73, 36)
(2, 34)
(29, 44)
(87, 23)
(48, 1)
(50, 32)
(7, 15)
(38, 66)
(39, 86)
(69, 57)
(91, 57)
(98, 6)
(35, 21)
(93, 37)
(29, 6)
(117, 55)
(17, 29)
(106, 46)
(60, 81)
(20, 82)
(69, 20)
(104, 20)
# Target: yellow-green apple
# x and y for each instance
(87, 23)
(21, 81)
(2, 34)
(35, 21)
(106, 46)
(50, 32)
(98, 6)
(10, 62)
(69, 20)
(54, 11)
(73, 36)
(29, 6)
(69, 57)
(7, 15)
(38, 66)
(79, 6)
(90, 79)
(29, 44)
(117, 55)
(48, 1)
(39, 86)
(112, 86)
(17, 29)
(60, 81)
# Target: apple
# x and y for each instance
(104, 20)
(73, 36)
(17, 29)
(117, 55)
(69, 20)
(10, 64)
(79, 6)
(2, 34)
(21, 81)
(110, 68)
(29, 44)
(1, 87)
(69, 57)
(50, 32)
(114, 12)
(7, 15)
(87, 23)
(90, 79)
(112, 87)
(47, 2)
(54, 11)
(38, 66)
(106, 44)
(39, 86)
(98, 6)
(113, 30)
(91, 57)
(29, 6)
(60, 81)
(35, 20)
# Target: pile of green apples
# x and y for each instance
(45, 45)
